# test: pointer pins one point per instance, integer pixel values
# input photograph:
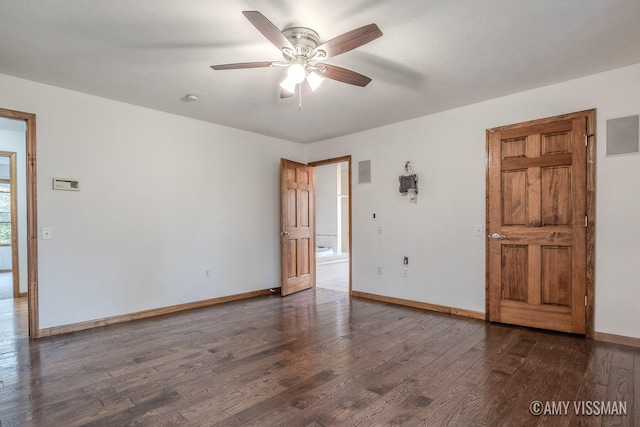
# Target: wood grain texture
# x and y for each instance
(422, 305)
(13, 320)
(349, 41)
(345, 76)
(32, 228)
(556, 278)
(513, 148)
(555, 202)
(536, 162)
(317, 358)
(555, 143)
(268, 29)
(534, 291)
(514, 198)
(298, 230)
(57, 330)
(590, 278)
(515, 274)
(618, 339)
(554, 124)
(540, 200)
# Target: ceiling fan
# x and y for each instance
(303, 55)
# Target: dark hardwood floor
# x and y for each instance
(316, 358)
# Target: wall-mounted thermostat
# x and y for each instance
(66, 184)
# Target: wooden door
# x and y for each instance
(537, 223)
(298, 229)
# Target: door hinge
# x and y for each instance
(586, 138)
(585, 300)
(586, 221)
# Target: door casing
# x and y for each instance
(32, 225)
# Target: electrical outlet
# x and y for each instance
(380, 271)
(373, 216)
(405, 272)
(379, 229)
(479, 230)
(47, 233)
(207, 273)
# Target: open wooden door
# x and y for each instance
(298, 227)
(537, 223)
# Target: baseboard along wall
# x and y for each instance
(64, 329)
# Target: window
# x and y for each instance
(5, 212)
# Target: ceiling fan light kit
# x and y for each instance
(289, 85)
(303, 54)
(314, 80)
(297, 71)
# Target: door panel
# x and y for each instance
(514, 270)
(556, 183)
(297, 198)
(556, 277)
(514, 197)
(537, 205)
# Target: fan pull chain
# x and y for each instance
(300, 99)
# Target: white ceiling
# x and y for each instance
(434, 55)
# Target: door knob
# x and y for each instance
(496, 236)
(285, 233)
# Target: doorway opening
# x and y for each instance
(12, 237)
(333, 224)
(18, 228)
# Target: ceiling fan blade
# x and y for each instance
(270, 31)
(345, 76)
(349, 41)
(285, 94)
(242, 65)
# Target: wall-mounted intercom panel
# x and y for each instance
(66, 184)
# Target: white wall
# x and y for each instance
(437, 234)
(162, 199)
(14, 141)
(344, 207)
(327, 206)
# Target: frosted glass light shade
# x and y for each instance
(296, 73)
(289, 85)
(314, 80)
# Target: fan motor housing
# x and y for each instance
(303, 39)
